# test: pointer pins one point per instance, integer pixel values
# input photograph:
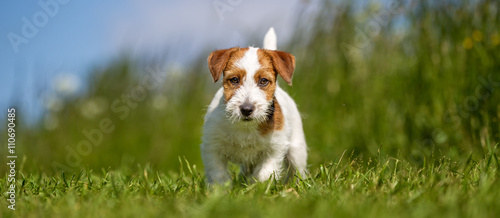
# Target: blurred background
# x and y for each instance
(106, 85)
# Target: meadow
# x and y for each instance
(400, 106)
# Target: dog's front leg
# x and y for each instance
(215, 167)
(270, 166)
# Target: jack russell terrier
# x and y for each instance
(251, 121)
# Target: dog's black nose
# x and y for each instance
(246, 109)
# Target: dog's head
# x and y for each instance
(249, 77)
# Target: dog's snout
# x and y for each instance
(246, 109)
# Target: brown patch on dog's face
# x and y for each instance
(229, 84)
(233, 76)
(217, 61)
(265, 77)
(275, 123)
(282, 62)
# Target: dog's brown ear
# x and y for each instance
(284, 64)
(217, 61)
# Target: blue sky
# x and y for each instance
(84, 34)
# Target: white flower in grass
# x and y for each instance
(66, 84)
(159, 102)
(93, 107)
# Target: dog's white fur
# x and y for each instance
(227, 138)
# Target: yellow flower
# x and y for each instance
(467, 43)
(495, 39)
(477, 35)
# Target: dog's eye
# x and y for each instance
(263, 82)
(234, 80)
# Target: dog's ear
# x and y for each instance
(284, 64)
(217, 61)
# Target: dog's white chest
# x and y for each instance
(245, 146)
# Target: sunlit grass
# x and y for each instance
(389, 187)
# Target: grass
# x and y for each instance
(387, 187)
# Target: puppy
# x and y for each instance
(251, 121)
